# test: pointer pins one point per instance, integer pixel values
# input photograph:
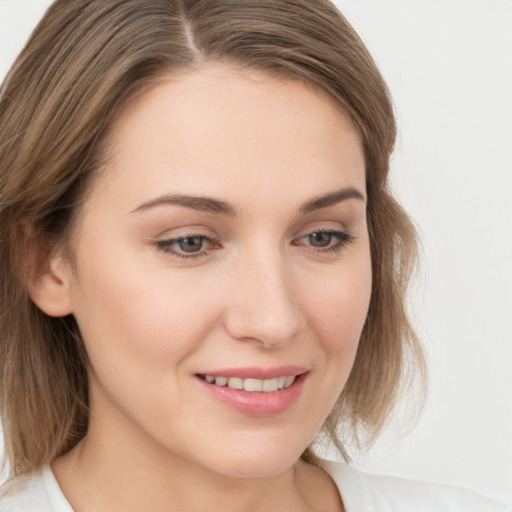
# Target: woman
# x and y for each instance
(202, 264)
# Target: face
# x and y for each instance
(226, 239)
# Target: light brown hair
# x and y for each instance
(84, 61)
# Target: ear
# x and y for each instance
(50, 286)
(46, 273)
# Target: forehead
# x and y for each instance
(217, 125)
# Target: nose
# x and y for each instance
(262, 304)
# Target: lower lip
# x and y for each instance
(257, 403)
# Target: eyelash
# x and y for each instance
(343, 240)
(166, 246)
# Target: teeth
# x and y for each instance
(267, 385)
(253, 385)
(235, 383)
(289, 381)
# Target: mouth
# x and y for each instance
(251, 385)
(275, 392)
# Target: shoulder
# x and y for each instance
(25, 493)
(366, 492)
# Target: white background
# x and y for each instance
(448, 64)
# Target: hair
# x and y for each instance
(85, 60)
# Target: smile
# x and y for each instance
(251, 385)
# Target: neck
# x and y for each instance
(108, 475)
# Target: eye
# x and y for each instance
(191, 243)
(320, 239)
(326, 241)
(187, 247)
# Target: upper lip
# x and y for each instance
(255, 372)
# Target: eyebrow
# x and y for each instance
(331, 199)
(211, 205)
(204, 204)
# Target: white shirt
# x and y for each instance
(360, 491)
(367, 492)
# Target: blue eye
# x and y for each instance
(320, 239)
(327, 241)
(197, 246)
(191, 244)
(186, 247)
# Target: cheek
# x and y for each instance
(139, 333)
(337, 315)
(339, 308)
(133, 318)
(151, 319)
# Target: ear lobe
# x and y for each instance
(49, 288)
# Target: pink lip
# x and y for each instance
(254, 372)
(256, 403)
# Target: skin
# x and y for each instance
(259, 294)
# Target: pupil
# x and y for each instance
(191, 244)
(320, 239)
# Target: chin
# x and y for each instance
(263, 461)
